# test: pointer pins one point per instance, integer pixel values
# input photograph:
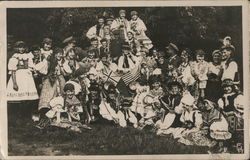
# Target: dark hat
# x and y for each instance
(93, 39)
(125, 46)
(103, 40)
(174, 83)
(70, 39)
(215, 52)
(111, 89)
(116, 32)
(199, 52)
(47, 41)
(100, 17)
(227, 82)
(122, 11)
(94, 87)
(173, 46)
(231, 47)
(68, 87)
(110, 18)
(19, 44)
(34, 48)
(133, 13)
(154, 78)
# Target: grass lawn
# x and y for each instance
(103, 139)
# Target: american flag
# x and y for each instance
(132, 75)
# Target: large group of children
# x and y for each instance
(122, 78)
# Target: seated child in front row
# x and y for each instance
(169, 102)
(231, 105)
(65, 109)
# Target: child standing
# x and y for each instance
(21, 87)
(54, 82)
(199, 70)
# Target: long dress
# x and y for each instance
(52, 86)
(21, 64)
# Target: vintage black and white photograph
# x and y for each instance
(125, 80)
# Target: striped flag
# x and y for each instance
(132, 75)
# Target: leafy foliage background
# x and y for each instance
(193, 27)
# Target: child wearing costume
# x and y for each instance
(66, 110)
(151, 102)
(199, 70)
(21, 85)
(231, 105)
(215, 125)
(169, 102)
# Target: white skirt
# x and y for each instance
(26, 87)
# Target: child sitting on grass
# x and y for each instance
(231, 105)
(169, 102)
(66, 110)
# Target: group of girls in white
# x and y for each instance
(123, 79)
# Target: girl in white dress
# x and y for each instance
(21, 85)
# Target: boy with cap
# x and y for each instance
(172, 52)
(69, 44)
(127, 61)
